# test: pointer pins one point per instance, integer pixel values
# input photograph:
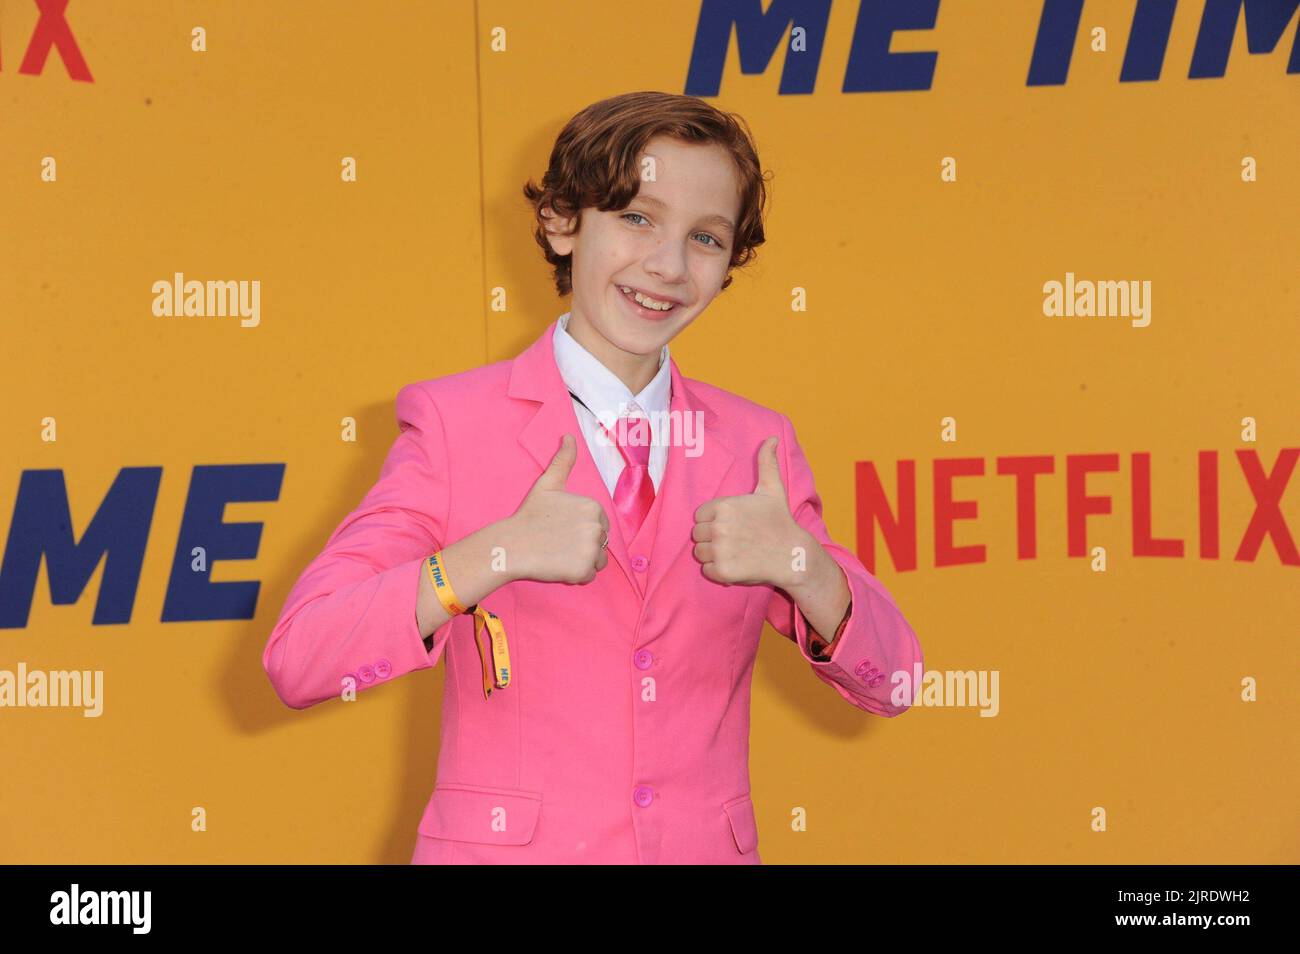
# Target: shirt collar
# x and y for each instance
(600, 388)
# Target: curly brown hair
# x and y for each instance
(594, 163)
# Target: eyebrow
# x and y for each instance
(719, 220)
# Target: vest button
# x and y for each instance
(639, 563)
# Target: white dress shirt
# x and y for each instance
(605, 395)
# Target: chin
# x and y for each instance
(640, 341)
(635, 336)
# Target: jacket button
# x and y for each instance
(642, 659)
(367, 673)
(643, 795)
(383, 669)
(876, 680)
(862, 667)
(639, 563)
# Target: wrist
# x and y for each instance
(504, 533)
(802, 580)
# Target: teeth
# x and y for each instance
(651, 303)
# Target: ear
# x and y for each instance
(558, 231)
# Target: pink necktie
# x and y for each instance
(635, 491)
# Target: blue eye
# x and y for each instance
(626, 216)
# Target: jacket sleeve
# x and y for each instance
(877, 643)
(351, 614)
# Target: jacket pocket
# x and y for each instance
(744, 828)
(485, 816)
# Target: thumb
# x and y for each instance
(556, 473)
(769, 474)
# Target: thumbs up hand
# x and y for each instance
(556, 536)
(751, 538)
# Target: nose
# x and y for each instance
(667, 262)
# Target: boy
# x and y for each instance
(602, 713)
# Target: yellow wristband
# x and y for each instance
(497, 673)
(441, 585)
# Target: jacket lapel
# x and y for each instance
(534, 376)
(691, 478)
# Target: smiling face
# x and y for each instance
(672, 244)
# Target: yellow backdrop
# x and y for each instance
(897, 314)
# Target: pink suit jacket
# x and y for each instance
(623, 736)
